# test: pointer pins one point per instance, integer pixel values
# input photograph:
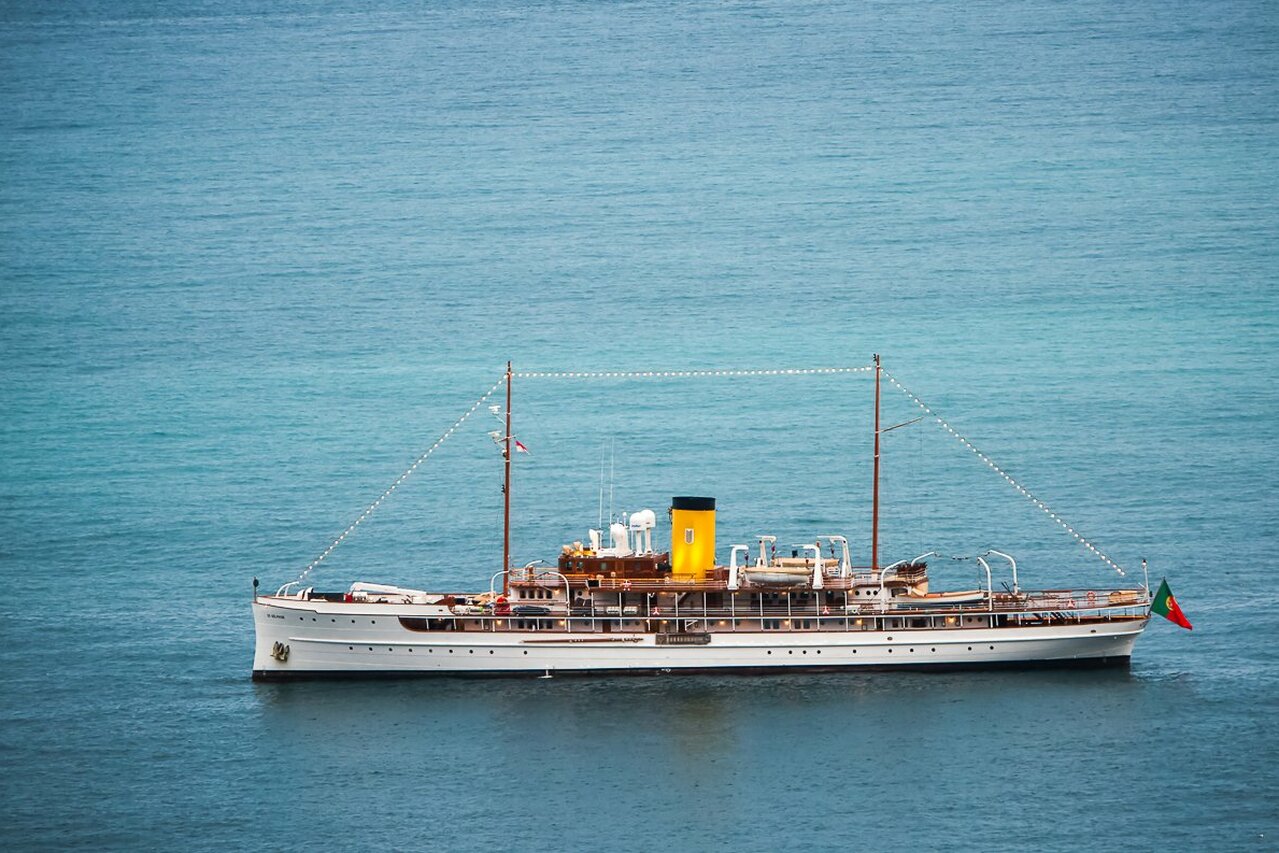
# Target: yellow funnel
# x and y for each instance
(692, 537)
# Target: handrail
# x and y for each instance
(569, 616)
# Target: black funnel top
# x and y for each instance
(690, 503)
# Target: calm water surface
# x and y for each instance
(255, 257)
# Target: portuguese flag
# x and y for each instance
(1166, 606)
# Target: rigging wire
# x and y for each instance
(681, 374)
(1026, 493)
(371, 508)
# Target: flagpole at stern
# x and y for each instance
(506, 493)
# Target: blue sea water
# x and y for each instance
(255, 257)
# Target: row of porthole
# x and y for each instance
(790, 652)
(313, 619)
(428, 651)
(890, 651)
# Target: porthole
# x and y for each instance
(350, 648)
(934, 649)
(352, 621)
(805, 651)
(819, 651)
(370, 648)
(389, 649)
(912, 651)
(301, 618)
(450, 651)
(854, 651)
(490, 651)
(333, 620)
(526, 653)
(372, 621)
(770, 653)
(470, 651)
(890, 639)
(410, 649)
(890, 651)
(970, 648)
(992, 648)
(313, 619)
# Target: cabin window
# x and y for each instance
(688, 536)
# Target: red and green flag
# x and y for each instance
(1166, 606)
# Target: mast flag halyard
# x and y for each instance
(1166, 606)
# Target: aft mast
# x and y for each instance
(874, 512)
(506, 492)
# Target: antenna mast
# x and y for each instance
(874, 511)
(506, 491)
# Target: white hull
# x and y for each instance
(326, 639)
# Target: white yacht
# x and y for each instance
(615, 604)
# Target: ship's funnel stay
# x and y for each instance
(692, 537)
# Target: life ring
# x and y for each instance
(1092, 598)
(825, 611)
(656, 611)
(1071, 605)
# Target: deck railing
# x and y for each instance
(1050, 605)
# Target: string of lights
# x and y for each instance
(682, 374)
(1026, 493)
(371, 508)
